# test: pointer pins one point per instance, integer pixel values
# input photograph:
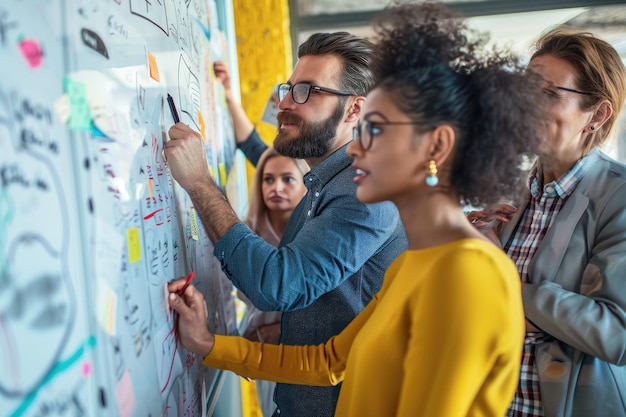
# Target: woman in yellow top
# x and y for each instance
(445, 126)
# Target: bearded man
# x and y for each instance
(334, 250)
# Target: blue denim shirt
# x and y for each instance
(330, 262)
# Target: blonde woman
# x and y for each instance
(277, 188)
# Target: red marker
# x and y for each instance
(187, 282)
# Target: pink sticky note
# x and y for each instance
(31, 50)
(125, 395)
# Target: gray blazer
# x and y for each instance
(577, 294)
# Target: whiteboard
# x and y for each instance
(92, 225)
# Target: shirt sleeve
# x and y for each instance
(328, 249)
(320, 365)
(461, 324)
(253, 147)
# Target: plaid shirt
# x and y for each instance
(541, 211)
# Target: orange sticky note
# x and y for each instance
(150, 187)
(154, 68)
(134, 245)
(202, 125)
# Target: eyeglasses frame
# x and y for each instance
(312, 87)
(572, 90)
(357, 130)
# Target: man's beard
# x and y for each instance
(315, 139)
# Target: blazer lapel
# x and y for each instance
(554, 244)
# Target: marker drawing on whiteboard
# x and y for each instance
(170, 101)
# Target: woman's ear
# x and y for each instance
(354, 109)
(603, 112)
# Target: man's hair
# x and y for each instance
(355, 54)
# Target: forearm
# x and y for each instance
(215, 212)
(253, 147)
(310, 365)
(596, 326)
(242, 124)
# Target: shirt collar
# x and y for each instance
(563, 186)
(329, 167)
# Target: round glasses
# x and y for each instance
(300, 92)
(371, 129)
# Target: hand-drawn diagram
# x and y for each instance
(92, 225)
(37, 302)
(40, 298)
(151, 10)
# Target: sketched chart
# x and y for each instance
(36, 297)
(188, 91)
(180, 27)
(151, 10)
(92, 225)
(38, 301)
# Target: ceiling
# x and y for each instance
(515, 30)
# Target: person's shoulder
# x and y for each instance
(607, 165)
(475, 255)
(604, 177)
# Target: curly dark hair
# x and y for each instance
(439, 71)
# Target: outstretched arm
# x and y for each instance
(322, 365)
(243, 125)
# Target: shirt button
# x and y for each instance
(317, 194)
(308, 213)
(310, 179)
(550, 189)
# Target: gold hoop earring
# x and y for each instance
(432, 179)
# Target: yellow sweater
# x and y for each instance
(442, 338)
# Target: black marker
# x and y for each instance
(170, 101)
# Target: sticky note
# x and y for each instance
(202, 125)
(32, 52)
(154, 68)
(62, 108)
(194, 223)
(133, 244)
(125, 395)
(106, 301)
(79, 110)
(150, 187)
(222, 174)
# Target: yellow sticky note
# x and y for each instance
(194, 223)
(222, 174)
(134, 245)
(106, 300)
(202, 125)
(154, 68)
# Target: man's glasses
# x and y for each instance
(300, 92)
(372, 129)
